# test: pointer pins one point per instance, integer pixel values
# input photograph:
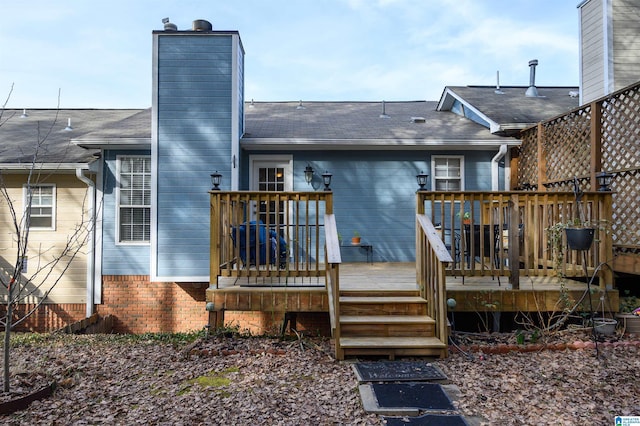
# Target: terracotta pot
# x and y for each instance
(355, 241)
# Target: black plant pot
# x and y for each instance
(580, 238)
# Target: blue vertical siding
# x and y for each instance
(118, 259)
(194, 138)
(374, 194)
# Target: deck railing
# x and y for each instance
(268, 234)
(432, 259)
(506, 234)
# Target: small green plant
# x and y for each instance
(356, 234)
(628, 303)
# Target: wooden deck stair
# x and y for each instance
(387, 323)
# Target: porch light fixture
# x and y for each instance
(308, 174)
(216, 178)
(604, 180)
(422, 180)
(326, 179)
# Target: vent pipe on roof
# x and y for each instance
(532, 91)
(498, 91)
(202, 25)
(384, 111)
(168, 26)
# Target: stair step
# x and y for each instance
(386, 319)
(379, 293)
(381, 299)
(391, 343)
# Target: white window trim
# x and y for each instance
(117, 206)
(433, 169)
(26, 205)
(286, 161)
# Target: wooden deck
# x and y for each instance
(479, 293)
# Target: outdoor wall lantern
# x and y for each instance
(215, 181)
(604, 181)
(308, 174)
(422, 180)
(326, 179)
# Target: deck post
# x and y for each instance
(214, 254)
(514, 242)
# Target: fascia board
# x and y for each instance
(362, 144)
(50, 167)
(115, 143)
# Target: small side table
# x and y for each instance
(368, 248)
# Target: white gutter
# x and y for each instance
(495, 178)
(90, 241)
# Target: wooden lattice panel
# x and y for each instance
(626, 211)
(566, 145)
(621, 156)
(528, 160)
(621, 131)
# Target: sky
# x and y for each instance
(97, 53)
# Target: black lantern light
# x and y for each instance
(308, 174)
(215, 181)
(422, 180)
(604, 181)
(326, 179)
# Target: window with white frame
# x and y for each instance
(40, 200)
(134, 199)
(448, 173)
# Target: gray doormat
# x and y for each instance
(423, 396)
(397, 371)
(427, 420)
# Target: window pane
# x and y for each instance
(41, 209)
(135, 199)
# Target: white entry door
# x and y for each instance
(271, 173)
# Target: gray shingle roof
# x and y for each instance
(512, 106)
(357, 123)
(19, 136)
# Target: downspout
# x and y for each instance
(90, 241)
(495, 162)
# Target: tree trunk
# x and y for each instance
(7, 337)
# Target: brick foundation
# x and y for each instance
(48, 317)
(141, 306)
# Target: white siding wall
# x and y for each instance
(45, 245)
(592, 49)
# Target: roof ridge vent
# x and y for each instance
(418, 120)
(384, 111)
(300, 106)
(532, 91)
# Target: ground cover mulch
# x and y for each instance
(118, 380)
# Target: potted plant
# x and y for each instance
(466, 217)
(577, 233)
(355, 240)
(629, 313)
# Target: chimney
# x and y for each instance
(532, 91)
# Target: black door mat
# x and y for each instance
(427, 420)
(423, 396)
(397, 371)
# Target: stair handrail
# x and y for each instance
(332, 267)
(432, 259)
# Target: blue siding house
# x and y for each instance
(153, 174)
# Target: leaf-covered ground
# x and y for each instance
(117, 380)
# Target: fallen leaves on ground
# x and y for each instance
(250, 381)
